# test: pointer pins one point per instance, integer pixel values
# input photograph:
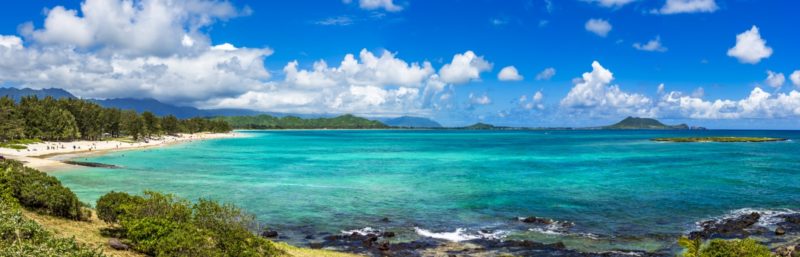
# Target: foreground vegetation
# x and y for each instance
(292, 122)
(69, 119)
(151, 224)
(722, 248)
(719, 139)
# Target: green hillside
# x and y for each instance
(643, 123)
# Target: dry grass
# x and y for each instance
(88, 233)
(85, 232)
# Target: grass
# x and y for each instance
(88, 233)
(19, 144)
(719, 139)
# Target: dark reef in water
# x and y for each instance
(92, 164)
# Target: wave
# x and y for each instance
(460, 234)
(769, 217)
(363, 231)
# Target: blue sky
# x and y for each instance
(689, 55)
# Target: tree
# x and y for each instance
(152, 124)
(12, 126)
(133, 125)
(169, 124)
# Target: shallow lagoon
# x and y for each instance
(619, 188)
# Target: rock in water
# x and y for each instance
(727, 228)
(269, 233)
(780, 231)
(118, 245)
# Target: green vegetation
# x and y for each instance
(163, 225)
(643, 123)
(723, 248)
(69, 119)
(38, 191)
(718, 139)
(20, 236)
(292, 122)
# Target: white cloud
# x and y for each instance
(750, 47)
(653, 45)
(599, 27)
(509, 73)
(660, 89)
(546, 74)
(699, 92)
(336, 21)
(160, 27)
(464, 68)
(774, 79)
(610, 3)
(534, 103)
(687, 6)
(479, 100)
(12, 42)
(595, 95)
(795, 78)
(387, 5)
(758, 105)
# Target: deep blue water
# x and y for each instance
(617, 187)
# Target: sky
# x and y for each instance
(536, 63)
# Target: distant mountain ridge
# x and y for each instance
(411, 122)
(643, 123)
(17, 93)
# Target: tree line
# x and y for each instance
(70, 119)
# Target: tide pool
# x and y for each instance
(618, 188)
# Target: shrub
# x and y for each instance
(164, 225)
(113, 204)
(38, 191)
(23, 237)
(723, 248)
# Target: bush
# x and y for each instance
(113, 204)
(22, 237)
(164, 225)
(38, 191)
(723, 248)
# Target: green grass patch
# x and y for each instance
(719, 139)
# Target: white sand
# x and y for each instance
(43, 156)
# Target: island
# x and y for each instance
(645, 123)
(719, 139)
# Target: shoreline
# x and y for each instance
(49, 156)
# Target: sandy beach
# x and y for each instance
(48, 156)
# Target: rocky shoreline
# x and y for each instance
(779, 231)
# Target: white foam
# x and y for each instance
(363, 231)
(769, 217)
(460, 234)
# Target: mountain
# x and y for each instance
(292, 122)
(643, 123)
(17, 93)
(411, 122)
(480, 126)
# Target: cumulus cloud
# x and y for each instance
(12, 42)
(653, 45)
(387, 5)
(795, 78)
(750, 47)
(535, 102)
(595, 95)
(464, 68)
(599, 27)
(610, 3)
(509, 73)
(160, 27)
(546, 74)
(687, 6)
(775, 79)
(758, 105)
(479, 99)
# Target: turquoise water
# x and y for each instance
(617, 187)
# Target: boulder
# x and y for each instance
(727, 228)
(269, 233)
(118, 245)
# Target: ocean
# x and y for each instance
(609, 189)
